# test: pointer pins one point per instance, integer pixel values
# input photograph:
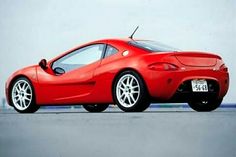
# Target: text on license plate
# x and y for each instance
(199, 86)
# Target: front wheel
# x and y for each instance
(130, 93)
(205, 105)
(96, 107)
(22, 96)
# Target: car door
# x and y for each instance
(74, 82)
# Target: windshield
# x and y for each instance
(152, 46)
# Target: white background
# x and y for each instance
(31, 30)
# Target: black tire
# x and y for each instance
(29, 105)
(205, 105)
(137, 103)
(96, 107)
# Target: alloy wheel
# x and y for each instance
(128, 90)
(22, 95)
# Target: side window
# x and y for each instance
(110, 51)
(80, 57)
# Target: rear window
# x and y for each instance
(152, 46)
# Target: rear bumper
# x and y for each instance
(163, 86)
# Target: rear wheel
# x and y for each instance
(96, 107)
(130, 93)
(205, 105)
(22, 96)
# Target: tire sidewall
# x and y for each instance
(32, 106)
(209, 106)
(98, 108)
(142, 102)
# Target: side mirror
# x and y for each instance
(43, 64)
(59, 71)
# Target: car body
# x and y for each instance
(88, 73)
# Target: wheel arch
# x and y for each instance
(11, 84)
(128, 69)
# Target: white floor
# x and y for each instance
(156, 132)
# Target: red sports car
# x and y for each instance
(127, 72)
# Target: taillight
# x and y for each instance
(223, 68)
(163, 67)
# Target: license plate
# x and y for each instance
(199, 86)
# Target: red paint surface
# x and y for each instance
(93, 83)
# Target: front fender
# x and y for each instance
(28, 72)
